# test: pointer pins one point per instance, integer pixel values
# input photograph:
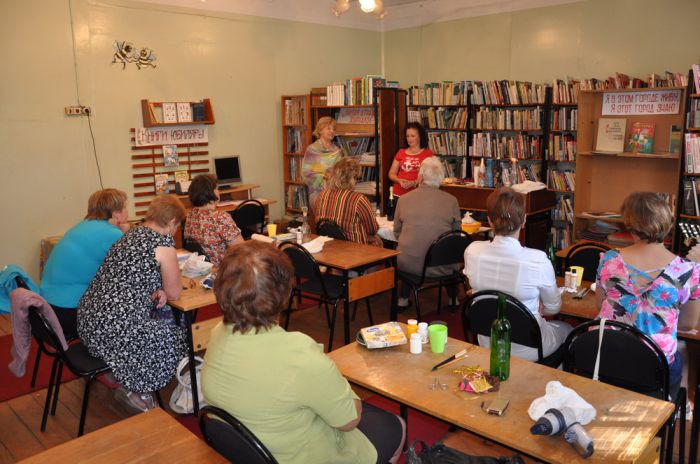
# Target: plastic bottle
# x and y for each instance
(482, 173)
(500, 342)
(416, 345)
(551, 254)
(412, 327)
(423, 331)
(305, 229)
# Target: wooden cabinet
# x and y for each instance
(603, 181)
(296, 136)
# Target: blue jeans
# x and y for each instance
(675, 372)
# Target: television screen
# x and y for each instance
(227, 169)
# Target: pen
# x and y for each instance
(449, 360)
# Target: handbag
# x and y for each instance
(181, 399)
(441, 454)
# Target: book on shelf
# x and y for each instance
(356, 146)
(674, 139)
(355, 116)
(641, 137)
(507, 93)
(611, 135)
(182, 182)
(184, 112)
(563, 119)
(689, 198)
(296, 197)
(500, 146)
(198, 112)
(439, 93)
(565, 92)
(295, 140)
(170, 157)
(562, 147)
(295, 111)
(561, 180)
(508, 119)
(693, 114)
(181, 176)
(696, 77)
(169, 112)
(319, 96)
(162, 185)
(692, 153)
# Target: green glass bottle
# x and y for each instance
(500, 342)
(551, 254)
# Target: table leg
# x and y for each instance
(404, 415)
(394, 313)
(189, 320)
(346, 306)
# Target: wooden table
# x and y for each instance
(151, 437)
(587, 309)
(626, 422)
(348, 256)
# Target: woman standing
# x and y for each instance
(320, 157)
(647, 286)
(404, 169)
(119, 317)
(214, 230)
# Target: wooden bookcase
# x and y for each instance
(603, 181)
(296, 136)
(149, 110)
(693, 127)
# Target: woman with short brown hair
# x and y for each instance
(122, 317)
(280, 384)
(525, 273)
(647, 286)
(349, 209)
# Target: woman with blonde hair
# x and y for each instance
(320, 157)
(122, 318)
(349, 209)
(76, 257)
(647, 286)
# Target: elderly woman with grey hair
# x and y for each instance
(421, 216)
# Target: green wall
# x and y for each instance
(242, 63)
(592, 38)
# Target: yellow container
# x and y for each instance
(471, 228)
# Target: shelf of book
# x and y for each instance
(670, 156)
(156, 114)
(296, 136)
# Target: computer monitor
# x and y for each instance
(227, 169)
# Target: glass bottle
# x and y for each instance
(305, 229)
(500, 342)
(551, 254)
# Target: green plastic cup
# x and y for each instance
(437, 334)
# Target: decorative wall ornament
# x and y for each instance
(125, 52)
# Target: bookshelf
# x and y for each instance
(176, 113)
(603, 180)
(296, 136)
(689, 211)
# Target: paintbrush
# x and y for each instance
(450, 360)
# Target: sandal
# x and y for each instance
(137, 402)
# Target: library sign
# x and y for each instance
(151, 136)
(650, 102)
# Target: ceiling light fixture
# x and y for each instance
(376, 7)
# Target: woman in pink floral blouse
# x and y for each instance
(214, 230)
(647, 286)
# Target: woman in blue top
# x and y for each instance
(76, 257)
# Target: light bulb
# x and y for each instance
(380, 12)
(341, 6)
(368, 6)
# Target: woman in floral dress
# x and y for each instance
(647, 286)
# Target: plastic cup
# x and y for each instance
(579, 274)
(271, 230)
(437, 334)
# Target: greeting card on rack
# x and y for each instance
(184, 112)
(169, 112)
(161, 184)
(170, 157)
(611, 135)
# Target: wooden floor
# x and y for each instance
(20, 418)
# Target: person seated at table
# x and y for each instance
(525, 273)
(75, 259)
(280, 384)
(421, 216)
(647, 286)
(213, 229)
(122, 317)
(320, 157)
(349, 209)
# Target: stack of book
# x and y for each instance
(565, 92)
(561, 180)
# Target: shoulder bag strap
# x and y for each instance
(600, 346)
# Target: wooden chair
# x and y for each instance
(630, 359)
(586, 255)
(481, 309)
(447, 249)
(231, 438)
(249, 216)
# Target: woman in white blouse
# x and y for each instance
(525, 273)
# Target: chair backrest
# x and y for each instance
(201, 332)
(44, 334)
(330, 228)
(194, 246)
(586, 255)
(249, 216)
(305, 265)
(629, 358)
(228, 436)
(481, 309)
(447, 249)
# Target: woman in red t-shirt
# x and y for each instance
(404, 169)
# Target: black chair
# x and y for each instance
(447, 249)
(330, 228)
(481, 309)
(76, 357)
(586, 255)
(193, 246)
(309, 281)
(229, 437)
(695, 428)
(249, 216)
(630, 359)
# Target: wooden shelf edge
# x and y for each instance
(626, 154)
(340, 106)
(437, 106)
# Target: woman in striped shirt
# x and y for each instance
(349, 209)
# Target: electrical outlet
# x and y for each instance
(77, 110)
